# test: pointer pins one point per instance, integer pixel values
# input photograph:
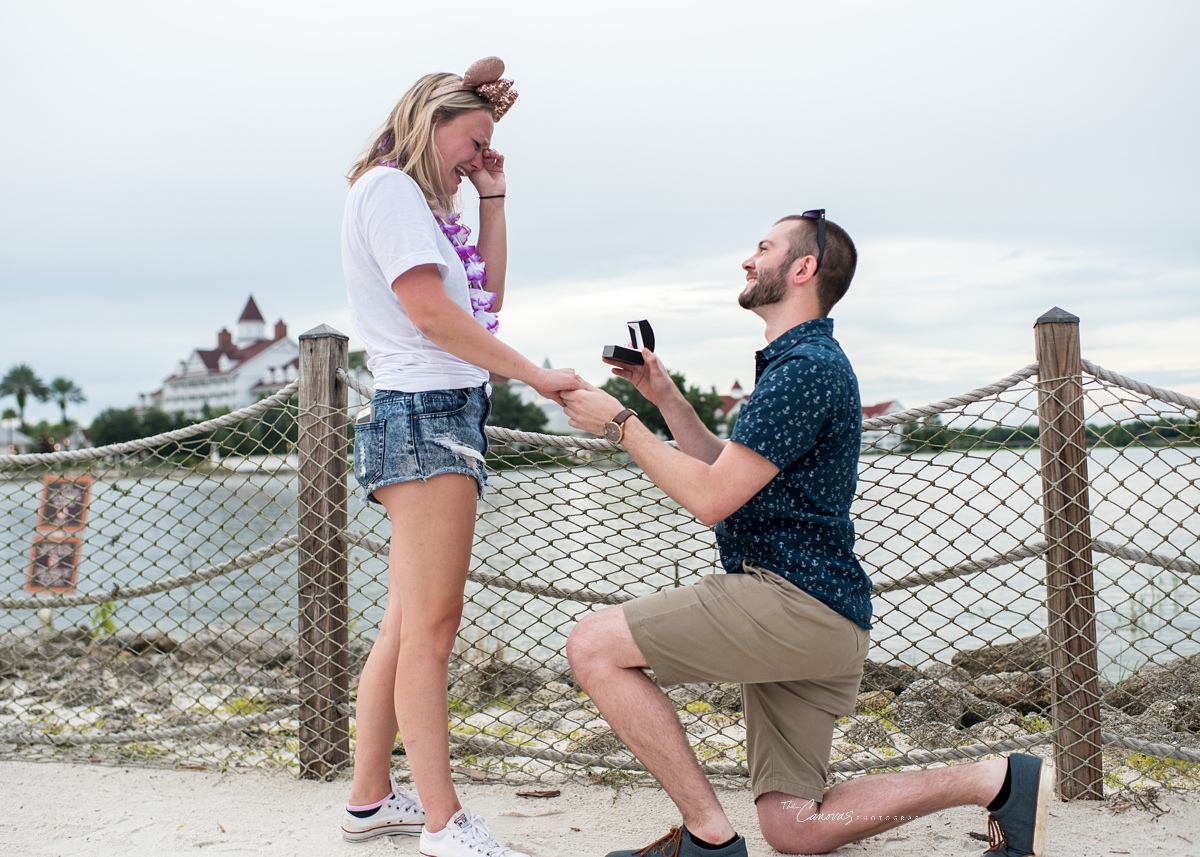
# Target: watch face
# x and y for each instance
(612, 432)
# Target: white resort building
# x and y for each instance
(885, 439)
(238, 372)
(731, 404)
(12, 440)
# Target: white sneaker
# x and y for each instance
(401, 813)
(466, 835)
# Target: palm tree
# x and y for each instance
(64, 392)
(22, 382)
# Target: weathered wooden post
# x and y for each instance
(321, 555)
(1070, 595)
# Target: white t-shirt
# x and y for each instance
(388, 229)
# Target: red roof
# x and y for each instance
(251, 313)
(211, 358)
(880, 409)
(728, 403)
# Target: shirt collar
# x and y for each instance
(788, 340)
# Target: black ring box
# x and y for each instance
(641, 335)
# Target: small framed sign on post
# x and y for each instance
(54, 563)
(64, 504)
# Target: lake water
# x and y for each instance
(610, 530)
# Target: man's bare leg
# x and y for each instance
(871, 804)
(608, 665)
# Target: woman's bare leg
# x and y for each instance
(375, 711)
(433, 525)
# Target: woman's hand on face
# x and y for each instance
(490, 181)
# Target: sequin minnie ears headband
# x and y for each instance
(483, 78)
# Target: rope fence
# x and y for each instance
(226, 586)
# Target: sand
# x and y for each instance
(96, 811)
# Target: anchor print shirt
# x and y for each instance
(805, 417)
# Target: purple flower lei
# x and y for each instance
(457, 233)
(482, 300)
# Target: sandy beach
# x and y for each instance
(67, 810)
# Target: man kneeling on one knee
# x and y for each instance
(789, 617)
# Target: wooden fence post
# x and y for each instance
(1070, 595)
(321, 556)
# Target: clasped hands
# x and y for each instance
(588, 408)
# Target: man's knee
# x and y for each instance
(600, 641)
(792, 838)
(584, 645)
(788, 825)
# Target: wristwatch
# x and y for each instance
(614, 429)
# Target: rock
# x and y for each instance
(271, 652)
(928, 701)
(482, 678)
(947, 671)
(892, 676)
(939, 701)
(554, 691)
(514, 718)
(1166, 720)
(83, 693)
(1025, 655)
(1189, 711)
(1027, 692)
(24, 649)
(1113, 718)
(544, 718)
(205, 645)
(873, 702)
(726, 698)
(996, 734)
(1007, 717)
(267, 648)
(602, 743)
(685, 694)
(271, 649)
(17, 652)
(868, 732)
(577, 718)
(934, 736)
(1000, 727)
(132, 642)
(1176, 680)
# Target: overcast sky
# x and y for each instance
(159, 162)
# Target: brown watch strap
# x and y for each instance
(620, 418)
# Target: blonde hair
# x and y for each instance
(406, 138)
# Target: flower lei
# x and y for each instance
(457, 233)
(482, 300)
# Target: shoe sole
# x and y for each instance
(1045, 791)
(386, 830)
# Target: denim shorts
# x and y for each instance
(421, 435)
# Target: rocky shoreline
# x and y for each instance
(227, 697)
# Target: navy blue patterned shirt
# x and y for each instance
(805, 417)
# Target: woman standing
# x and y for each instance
(423, 302)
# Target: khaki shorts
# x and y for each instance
(799, 664)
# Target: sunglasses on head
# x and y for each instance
(818, 214)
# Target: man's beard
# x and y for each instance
(769, 288)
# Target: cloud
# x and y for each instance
(160, 163)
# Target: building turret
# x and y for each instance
(250, 328)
